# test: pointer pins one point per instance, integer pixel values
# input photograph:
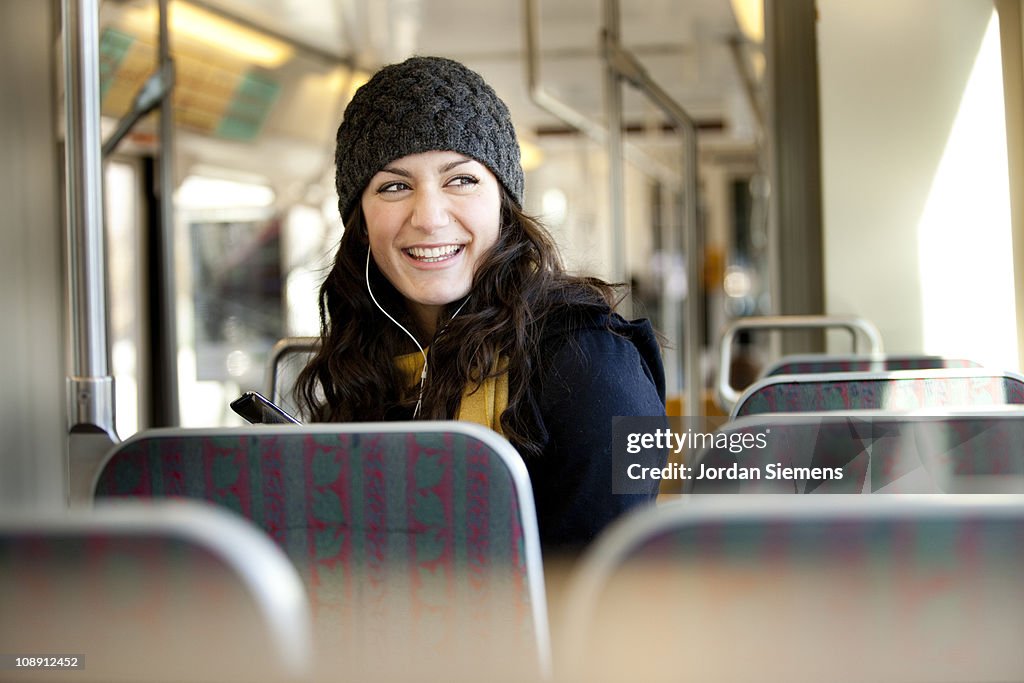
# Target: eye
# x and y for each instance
(392, 187)
(463, 181)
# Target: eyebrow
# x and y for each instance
(397, 170)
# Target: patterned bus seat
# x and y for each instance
(735, 588)
(418, 541)
(894, 391)
(866, 452)
(166, 591)
(805, 364)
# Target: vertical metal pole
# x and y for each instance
(166, 411)
(622, 64)
(629, 68)
(692, 245)
(83, 170)
(616, 174)
(670, 303)
(90, 389)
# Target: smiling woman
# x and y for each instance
(446, 301)
(431, 217)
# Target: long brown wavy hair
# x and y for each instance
(519, 287)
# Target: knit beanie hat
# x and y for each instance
(420, 105)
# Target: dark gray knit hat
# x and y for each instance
(420, 105)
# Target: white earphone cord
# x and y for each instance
(423, 375)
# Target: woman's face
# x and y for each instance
(431, 219)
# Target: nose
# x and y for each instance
(430, 210)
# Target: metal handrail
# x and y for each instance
(571, 116)
(600, 134)
(166, 409)
(284, 347)
(84, 181)
(89, 386)
(726, 396)
(622, 64)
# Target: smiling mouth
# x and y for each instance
(434, 254)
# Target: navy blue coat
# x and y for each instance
(593, 369)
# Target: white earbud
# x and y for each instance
(423, 375)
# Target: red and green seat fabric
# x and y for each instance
(417, 541)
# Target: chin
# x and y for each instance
(439, 299)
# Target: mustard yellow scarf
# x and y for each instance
(483, 405)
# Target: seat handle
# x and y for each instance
(726, 396)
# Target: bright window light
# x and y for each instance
(964, 236)
(202, 192)
(750, 17)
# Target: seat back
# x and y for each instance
(805, 364)
(287, 359)
(865, 452)
(734, 589)
(860, 330)
(141, 592)
(418, 542)
(893, 391)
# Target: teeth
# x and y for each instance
(433, 253)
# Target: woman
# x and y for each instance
(446, 301)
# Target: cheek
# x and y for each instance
(489, 223)
(377, 243)
(381, 251)
(489, 239)
(378, 232)
(383, 257)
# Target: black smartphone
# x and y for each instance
(257, 409)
